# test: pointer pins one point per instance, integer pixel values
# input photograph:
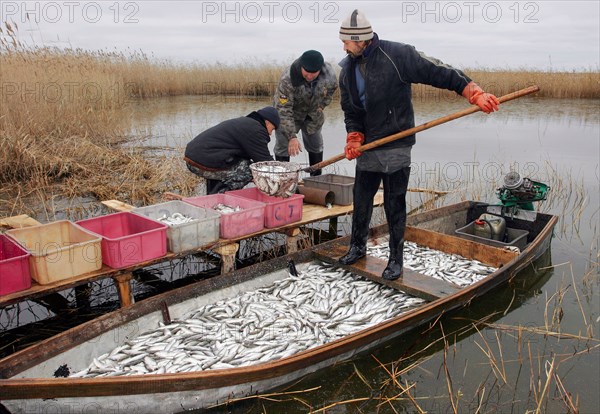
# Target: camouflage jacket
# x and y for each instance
(298, 102)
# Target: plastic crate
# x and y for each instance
(515, 237)
(202, 229)
(278, 211)
(341, 185)
(59, 250)
(250, 219)
(128, 238)
(14, 267)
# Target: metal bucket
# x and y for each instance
(276, 178)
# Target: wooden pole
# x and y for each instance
(411, 131)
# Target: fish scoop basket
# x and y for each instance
(276, 178)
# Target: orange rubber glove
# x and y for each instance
(353, 141)
(487, 102)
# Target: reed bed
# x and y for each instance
(66, 115)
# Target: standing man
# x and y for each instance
(304, 90)
(375, 88)
(223, 154)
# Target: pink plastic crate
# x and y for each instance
(127, 238)
(249, 220)
(278, 211)
(14, 267)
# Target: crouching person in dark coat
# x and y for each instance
(223, 154)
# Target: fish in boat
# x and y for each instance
(263, 326)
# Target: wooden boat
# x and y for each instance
(28, 383)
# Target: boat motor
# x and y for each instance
(519, 192)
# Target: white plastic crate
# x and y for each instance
(202, 230)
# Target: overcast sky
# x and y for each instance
(547, 35)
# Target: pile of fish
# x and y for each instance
(319, 305)
(174, 219)
(276, 178)
(452, 268)
(226, 209)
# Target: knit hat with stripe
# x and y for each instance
(356, 27)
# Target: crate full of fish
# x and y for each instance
(190, 227)
(279, 211)
(59, 250)
(14, 267)
(341, 186)
(239, 216)
(128, 238)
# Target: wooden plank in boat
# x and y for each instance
(118, 205)
(490, 255)
(20, 221)
(411, 282)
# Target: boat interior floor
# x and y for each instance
(370, 267)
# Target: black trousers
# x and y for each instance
(366, 185)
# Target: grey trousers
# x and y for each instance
(312, 142)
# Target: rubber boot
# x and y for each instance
(280, 158)
(355, 253)
(366, 185)
(394, 268)
(219, 188)
(395, 186)
(315, 158)
(211, 185)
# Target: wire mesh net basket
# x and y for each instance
(276, 178)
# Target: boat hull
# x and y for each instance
(29, 386)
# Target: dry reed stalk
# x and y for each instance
(337, 404)
(449, 383)
(549, 372)
(565, 395)
(264, 396)
(589, 326)
(540, 331)
(393, 375)
(497, 368)
(557, 313)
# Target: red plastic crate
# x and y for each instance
(279, 211)
(127, 238)
(14, 267)
(249, 220)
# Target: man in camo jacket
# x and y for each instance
(304, 90)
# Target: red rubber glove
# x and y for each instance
(487, 102)
(353, 141)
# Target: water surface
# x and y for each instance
(491, 370)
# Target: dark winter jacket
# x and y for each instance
(391, 68)
(226, 143)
